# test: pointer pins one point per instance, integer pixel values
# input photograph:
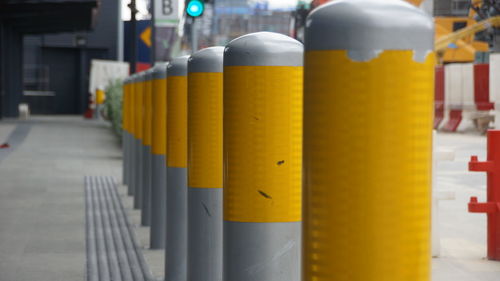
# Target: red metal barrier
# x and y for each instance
(482, 87)
(439, 96)
(454, 120)
(492, 207)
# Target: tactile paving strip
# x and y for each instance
(113, 251)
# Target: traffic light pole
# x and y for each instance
(153, 33)
(194, 36)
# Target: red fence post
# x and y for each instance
(455, 117)
(439, 96)
(492, 207)
(482, 87)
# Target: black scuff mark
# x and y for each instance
(206, 209)
(265, 194)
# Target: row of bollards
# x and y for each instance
(260, 161)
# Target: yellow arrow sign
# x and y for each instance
(146, 36)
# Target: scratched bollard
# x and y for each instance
(205, 165)
(262, 154)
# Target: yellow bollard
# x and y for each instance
(125, 131)
(158, 158)
(100, 96)
(205, 165)
(139, 130)
(176, 244)
(262, 157)
(368, 108)
(133, 137)
(146, 148)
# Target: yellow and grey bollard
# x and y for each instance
(100, 97)
(176, 243)
(205, 165)
(139, 125)
(368, 110)
(262, 157)
(131, 167)
(132, 136)
(158, 160)
(146, 148)
(125, 130)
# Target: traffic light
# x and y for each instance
(195, 8)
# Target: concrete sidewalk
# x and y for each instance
(42, 218)
(42, 207)
(463, 235)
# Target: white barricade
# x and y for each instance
(438, 156)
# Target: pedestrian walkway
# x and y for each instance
(42, 203)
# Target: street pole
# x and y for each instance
(194, 36)
(133, 35)
(153, 33)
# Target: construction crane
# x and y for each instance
(415, 2)
(457, 37)
(444, 41)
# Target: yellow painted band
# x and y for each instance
(139, 100)
(367, 159)
(129, 108)
(177, 121)
(148, 118)
(100, 96)
(262, 143)
(131, 99)
(159, 141)
(205, 130)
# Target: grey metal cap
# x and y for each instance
(140, 76)
(160, 70)
(263, 49)
(206, 60)
(367, 27)
(126, 80)
(131, 78)
(178, 66)
(148, 74)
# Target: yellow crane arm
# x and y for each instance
(443, 42)
(415, 2)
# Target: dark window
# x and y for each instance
(459, 25)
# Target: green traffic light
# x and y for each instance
(195, 8)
